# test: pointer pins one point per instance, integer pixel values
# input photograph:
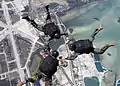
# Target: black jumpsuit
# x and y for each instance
(83, 46)
(49, 66)
(51, 29)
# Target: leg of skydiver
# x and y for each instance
(103, 49)
(48, 18)
(33, 23)
(95, 32)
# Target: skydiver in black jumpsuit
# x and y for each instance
(47, 68)
(50, 28)
(86, 46)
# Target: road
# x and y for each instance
(9, 30)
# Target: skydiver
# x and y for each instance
(47, 68)
(86, 45)
(50, 28)
(53, 31)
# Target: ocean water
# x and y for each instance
(91, 81)
(108, 12)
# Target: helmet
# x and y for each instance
(72, 47)
(57, 35)
(55, 53)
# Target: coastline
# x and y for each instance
(73, 13)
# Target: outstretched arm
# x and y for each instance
(96, 32)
